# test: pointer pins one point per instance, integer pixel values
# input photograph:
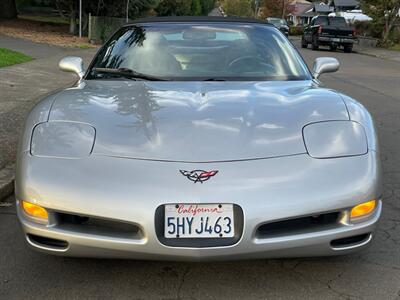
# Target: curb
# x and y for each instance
(7, 176)
(361, 52)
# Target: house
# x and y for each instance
(296, 10)
(344, 5)
(322, 9)
(302, 17)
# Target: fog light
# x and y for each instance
(35, 210)
(363, 209)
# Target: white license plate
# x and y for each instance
(199, 221)
(336, 40)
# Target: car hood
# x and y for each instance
(198, 121)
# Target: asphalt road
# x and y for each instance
(371, 274)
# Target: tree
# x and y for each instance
(8, 9)
(174, 8)
(196, 8)
(242, 8)
(109, 8)
(207, 6)
(385, 15)
(184, 7)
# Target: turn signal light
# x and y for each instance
(35, 210)
(363, 209)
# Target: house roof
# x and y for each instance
(349, 3)
(322, 8)
(294, 2)
(301, 8)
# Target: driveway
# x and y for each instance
(23, 85)
(372, 274)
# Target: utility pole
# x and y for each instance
(127, 11)
(256, 6)
(80, 18)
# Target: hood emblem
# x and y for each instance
(198, 175)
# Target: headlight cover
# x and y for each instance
(332, 139)
(62, 140)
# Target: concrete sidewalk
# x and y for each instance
(23, 85)
(378, 52)
(370, 51)
(35, 50)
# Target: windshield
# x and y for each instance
(204, 51)
(337, 21)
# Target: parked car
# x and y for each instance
(329, 31)
(281, 24)
(198, 139)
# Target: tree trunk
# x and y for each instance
(8, 9)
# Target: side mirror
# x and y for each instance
(325, 65)
(72, 64)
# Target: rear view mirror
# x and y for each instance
(72, 64)
(325, 65)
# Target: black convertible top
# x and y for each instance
(188, 19)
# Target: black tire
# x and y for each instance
(304, 44)
(333, 47)
(315, 45)
(348, 48)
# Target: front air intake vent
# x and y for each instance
(98, 226)
(298, 225)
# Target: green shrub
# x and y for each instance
(296, 30)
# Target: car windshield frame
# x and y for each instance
(303, 69)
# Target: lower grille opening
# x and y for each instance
(98, 226)
(350, 241)
(298, 225)
(47, 242)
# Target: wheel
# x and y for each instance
(348, 48)
(304, 44)
(333, 47)
(315, 45)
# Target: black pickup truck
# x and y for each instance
(329, 31)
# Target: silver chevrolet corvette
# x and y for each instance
(198, 139)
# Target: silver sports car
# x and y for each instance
(198, 139)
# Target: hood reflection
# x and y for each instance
(196, 121)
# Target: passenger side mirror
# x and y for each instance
(325, 65)
(72, 64)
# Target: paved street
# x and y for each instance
(22, 86)
(372, 274)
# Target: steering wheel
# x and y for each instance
(250, 64)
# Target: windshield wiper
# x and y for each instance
(127, 73)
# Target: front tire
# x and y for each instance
(348, 48)
(304, 44)
(315, 45)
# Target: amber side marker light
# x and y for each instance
(34, 210)
(363, 209)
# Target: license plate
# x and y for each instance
(199, 221)
(336, 40)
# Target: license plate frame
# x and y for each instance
(199, 221)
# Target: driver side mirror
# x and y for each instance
(72, 64)
(325, 65)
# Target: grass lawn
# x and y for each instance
(395, 47)
(9, 57)
(45, 19)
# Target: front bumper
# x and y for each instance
(266, 190)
